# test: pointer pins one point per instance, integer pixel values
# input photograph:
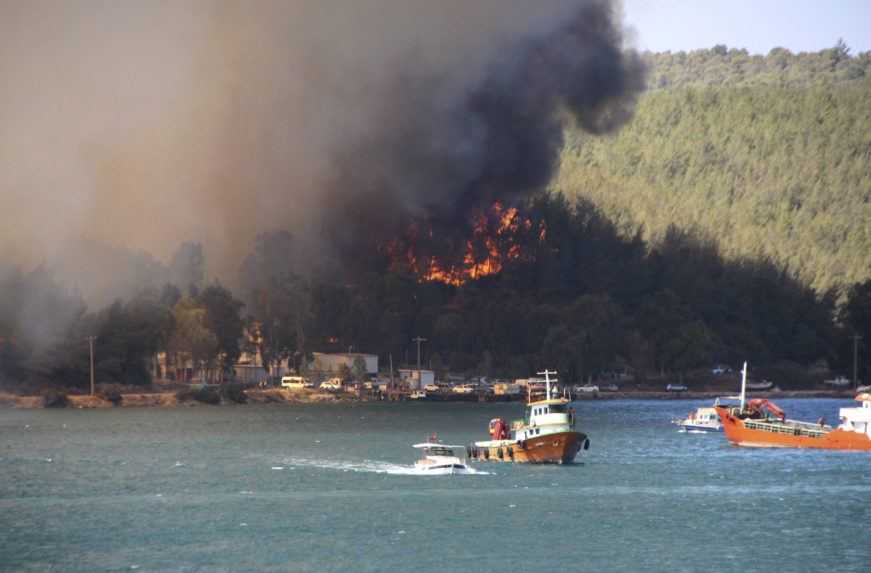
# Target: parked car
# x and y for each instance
(676, 388)
(586, 388)
(865, 388)
(611, 388)
(720, 369)
(464, 389)
(332, 385)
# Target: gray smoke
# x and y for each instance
(143, 125)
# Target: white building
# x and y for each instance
(332, 363)
(416, 379)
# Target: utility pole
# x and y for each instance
(91, 340)
(418, 340)
(856, 339)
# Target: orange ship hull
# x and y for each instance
(778, 435)
(560, 448)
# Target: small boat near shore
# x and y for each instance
(762, 424)
(546, 435)
(440, 459)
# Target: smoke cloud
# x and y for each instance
(142, 125)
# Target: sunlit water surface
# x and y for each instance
(332, 488)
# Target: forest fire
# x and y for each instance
(496, 237)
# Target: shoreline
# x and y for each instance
(281, 396)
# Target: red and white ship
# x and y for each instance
(762, 424)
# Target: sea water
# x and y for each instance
(332, 488)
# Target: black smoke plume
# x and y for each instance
(438, 152)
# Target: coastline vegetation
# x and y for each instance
(768, 156)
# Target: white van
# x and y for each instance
(295, 383)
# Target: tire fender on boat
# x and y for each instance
(586, 443)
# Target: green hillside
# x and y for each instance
(767, 156)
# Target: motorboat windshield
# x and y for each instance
(437, 449)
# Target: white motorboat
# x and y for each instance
(440, 459)
(701, 420)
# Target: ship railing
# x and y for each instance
(791, 429)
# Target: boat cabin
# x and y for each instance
(857, 419)
(543, 411)
(544, 417)
(437, 450)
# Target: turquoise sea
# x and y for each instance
(330, 488)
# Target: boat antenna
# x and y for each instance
(743, 384)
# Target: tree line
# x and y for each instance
(45, 328)
(583, 299)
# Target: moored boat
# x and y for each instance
(761, 423)
(546, 435)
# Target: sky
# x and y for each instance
(757, 25)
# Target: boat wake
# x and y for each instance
(367, 466)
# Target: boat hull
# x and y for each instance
(698, 429)
(738, 433)
(443, 471)
(558, 448)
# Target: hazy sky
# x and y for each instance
(758, 25)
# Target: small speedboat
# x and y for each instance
(701, 420)
(440, 459)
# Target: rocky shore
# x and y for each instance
(171, 399)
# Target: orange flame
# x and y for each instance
(484, 261)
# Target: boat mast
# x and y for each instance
(547, 374)
(743, 384)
